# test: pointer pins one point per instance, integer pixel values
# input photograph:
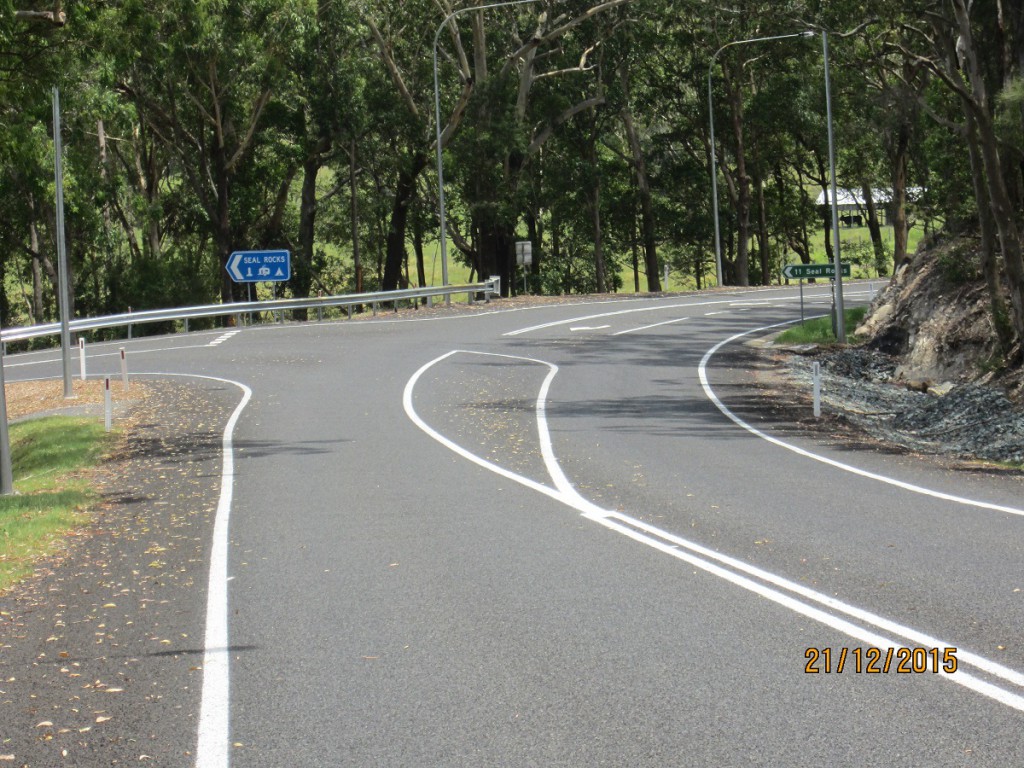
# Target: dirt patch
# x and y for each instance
(33, 398)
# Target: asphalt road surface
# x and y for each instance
(572, 535)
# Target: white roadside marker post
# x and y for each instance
(817, 390)
(107, 405)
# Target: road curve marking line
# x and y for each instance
(660, 307)
(648, 327)
(743, 575)
(703, 375)
(214, 733)
(584, 318)
(410, 410)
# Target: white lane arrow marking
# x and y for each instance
(233, 261)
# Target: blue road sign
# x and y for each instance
(260, 266)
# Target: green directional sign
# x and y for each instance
(805, 271)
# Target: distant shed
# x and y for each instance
(853, 208)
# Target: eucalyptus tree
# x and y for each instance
(201, 76)
(504, 76)
(946, 38)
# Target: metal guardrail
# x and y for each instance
(491, 287)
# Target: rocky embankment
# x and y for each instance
(926, 374)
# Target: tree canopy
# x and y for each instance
(193, 129)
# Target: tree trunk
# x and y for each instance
(898, 210)
(742, 264)
(302, 266)
(357, 260)
(1003, 213)
(595, 211)
(763, 244)
(986, 227)
(875, 229)
(417, 244)
(405, 193)
(644, 187)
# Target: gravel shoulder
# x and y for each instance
(965, 422)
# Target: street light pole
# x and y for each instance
(711, 120)
(62, 256)
(437, 126)
(840, 304)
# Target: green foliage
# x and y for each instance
(819, 330)
(237, 123)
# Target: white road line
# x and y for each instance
(660, 307)
(657, 308)
(576, 328)
(214, 733)
(751, 578)
(648, 327)
(224, 337)
(703, 375)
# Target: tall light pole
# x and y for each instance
(711, 119)
(840, 304)
(437, 125)
(62, 256)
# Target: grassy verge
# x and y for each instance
(46, 455)
(819, 330)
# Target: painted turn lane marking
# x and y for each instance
(809, 603)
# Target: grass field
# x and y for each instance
(854, 236)
(46, 456)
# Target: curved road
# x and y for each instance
(567, 536)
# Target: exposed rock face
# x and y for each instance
(934, 317)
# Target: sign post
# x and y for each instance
(803, 272)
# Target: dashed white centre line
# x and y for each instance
(224, 337)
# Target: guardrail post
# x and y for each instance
(129, 324)
(186, 325)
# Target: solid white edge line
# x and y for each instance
(670, 543)
(214, 733)
(703, 375)
(214, 730)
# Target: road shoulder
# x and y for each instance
(101, 651)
